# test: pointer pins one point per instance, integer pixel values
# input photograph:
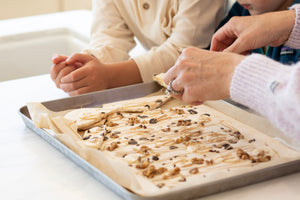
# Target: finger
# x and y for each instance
(217, 45)
(170, 75)
(177, 85)
(79, 91)
(78, 64)
(78, 57)
(56, 59)
(73, 86)
(191, 99)
(238, 46)
(75, 75)
(64, 72)
(55, 69)
(174, 71)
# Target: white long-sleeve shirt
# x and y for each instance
(164, 27)
(271, 88)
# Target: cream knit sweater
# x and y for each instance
(271, 88)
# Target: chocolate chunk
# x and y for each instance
(132, 142)
(173, 147)
(193, 112)
(142, 116)
(86, 137)
(153, 121)
(155, 158)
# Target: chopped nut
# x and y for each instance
(160, 185)
(112, 146)
(111, 124)
(242, 154)
(142, 164)
(168, 129)
(145, 150)
(162, 170)
(182, 139)
(237, 135)
(194, 171)
(133, 120)
(179, 111)
(209, 162)
(186, 122)
(197, 161)
(150, 172)
(261, 157)
(174, 171)
(183, 179)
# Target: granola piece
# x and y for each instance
(242, 154)
(174, 171)
(198, 161)
(150, 172)
(194, 171)
(112, 146)
(143, 164)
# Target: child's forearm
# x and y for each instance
(123, 73)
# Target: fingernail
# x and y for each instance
(63, 80)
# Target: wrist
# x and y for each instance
(122, 74)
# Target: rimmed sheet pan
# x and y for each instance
(98, 98)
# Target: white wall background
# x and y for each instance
(22, 8)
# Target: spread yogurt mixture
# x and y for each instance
(174, 144)
(173, 147)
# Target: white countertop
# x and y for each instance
(30, 168)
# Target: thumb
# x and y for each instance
(238, 46)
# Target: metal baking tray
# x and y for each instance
(135, 91)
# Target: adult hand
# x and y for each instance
(243, 34)
(202, 75)
(90, 77)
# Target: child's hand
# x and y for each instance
(91, 76)
(60, 69)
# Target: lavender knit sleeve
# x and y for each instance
(271, 89)
(294, 39)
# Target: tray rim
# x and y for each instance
(273, 171)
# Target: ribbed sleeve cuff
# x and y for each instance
(253, 81)
(294, 39)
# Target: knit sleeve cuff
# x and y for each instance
(294, 39)
(254, 80)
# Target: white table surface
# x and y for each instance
(30, 168)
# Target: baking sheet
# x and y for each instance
(140, 90)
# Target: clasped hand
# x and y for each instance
(78, 74)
